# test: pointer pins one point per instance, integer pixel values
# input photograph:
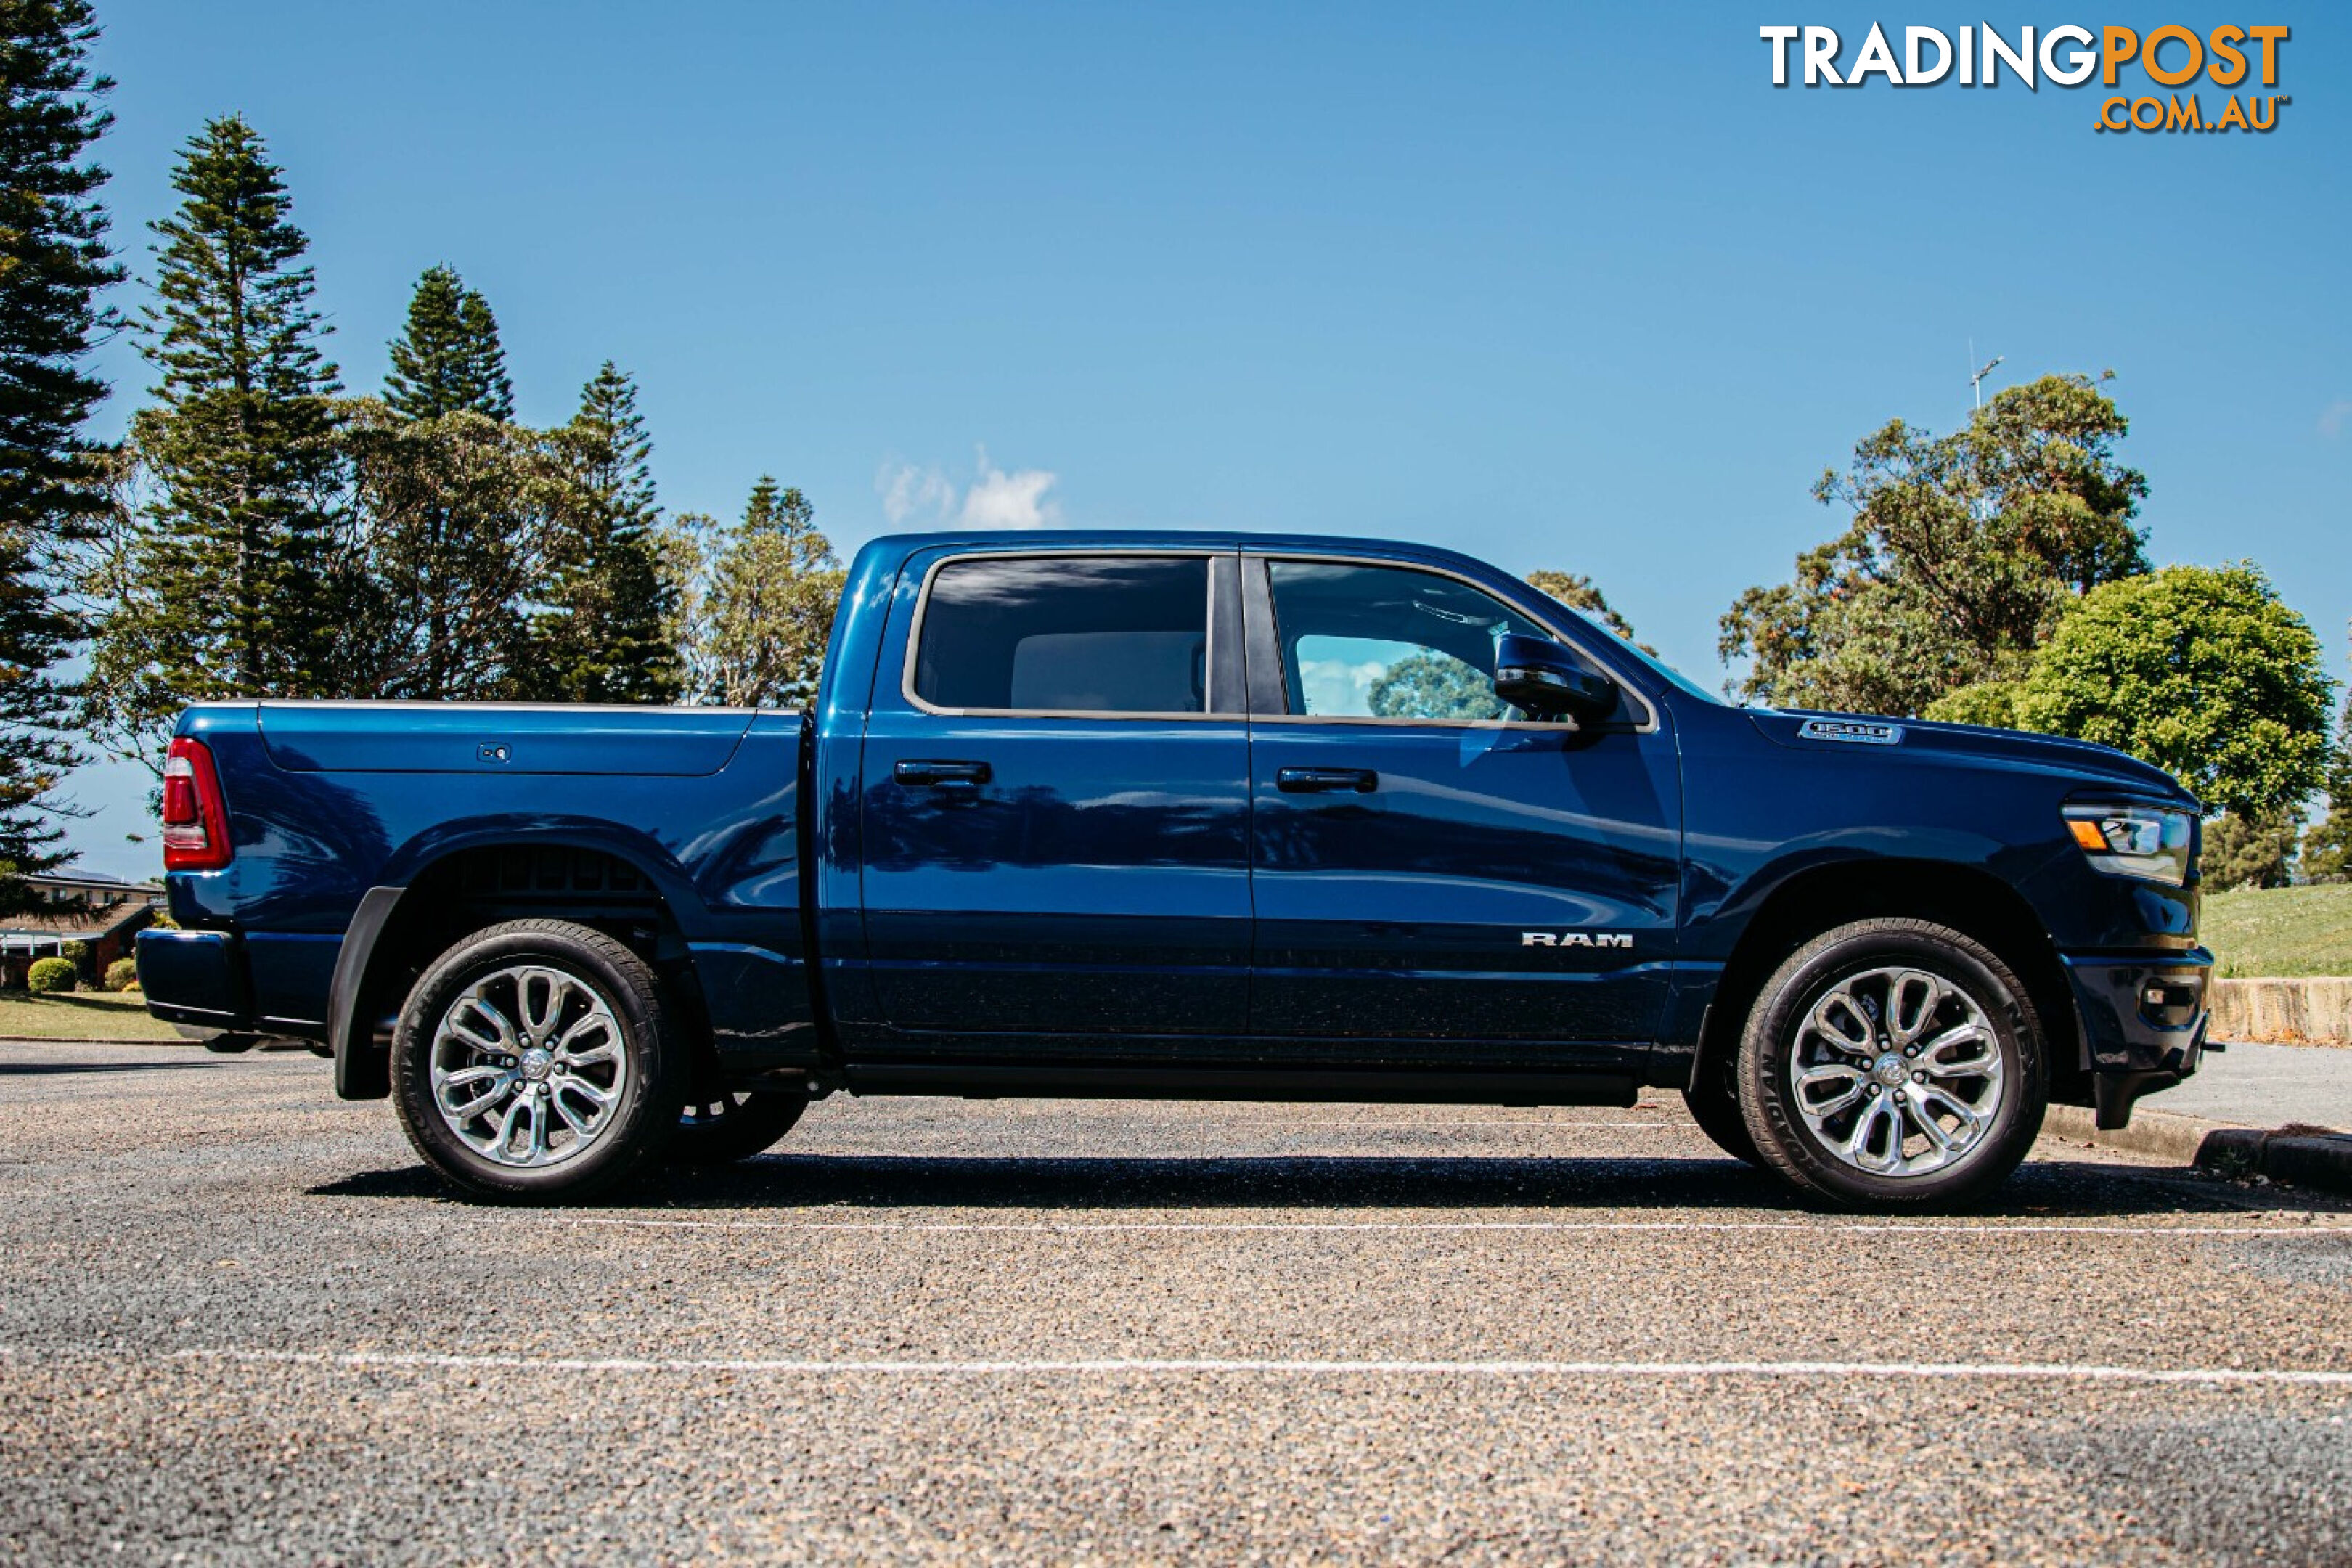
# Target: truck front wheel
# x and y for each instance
(534, 1063)
(1893, 1065)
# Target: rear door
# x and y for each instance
(1055, 799)
(1433, 866)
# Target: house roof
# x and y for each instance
(86, 924)
(93, 880)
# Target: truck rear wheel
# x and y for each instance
(1893, 1065)
(533, 1063)
(735, 1125)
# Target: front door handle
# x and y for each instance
(954, 780)
(1314, 781)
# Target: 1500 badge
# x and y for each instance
(1852, 731)
(1576, 938)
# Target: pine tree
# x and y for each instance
(455, 515)
(603, 634)
(449, 359)
(759, 601)
(54, 260)
(2239, 851)
(450, 487)
(238, 580)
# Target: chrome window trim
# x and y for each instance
(1208, 635)
(1648, 726)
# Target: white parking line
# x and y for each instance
(1072, 1227)
(1152, 1366)
(1460, 1126)
(1261, 1123)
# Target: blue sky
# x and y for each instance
(1561, 286)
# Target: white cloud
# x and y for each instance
(2331, 422)
(999, 500)
(909, 491)
(995, 498)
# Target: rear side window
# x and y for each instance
(1066, 635)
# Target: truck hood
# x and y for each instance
(1806, 729)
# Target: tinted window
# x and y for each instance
(1070, 633)
(1388, 642)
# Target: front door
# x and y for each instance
(1055, 790)
(1437, 876)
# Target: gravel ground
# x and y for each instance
(238, 1323)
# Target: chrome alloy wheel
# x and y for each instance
(1897, 1072)
(528, 1066)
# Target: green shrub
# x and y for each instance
(51, 974)
(2204, 672)
(122, 974)
(1991, 703)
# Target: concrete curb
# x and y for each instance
(2158, 1133)
(2307, 1158)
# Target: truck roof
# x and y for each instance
(904, 545)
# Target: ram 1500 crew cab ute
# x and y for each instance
(1187, 815)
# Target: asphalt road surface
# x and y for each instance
(238, 1323)
(2268, 1086)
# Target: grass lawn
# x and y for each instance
(2279, 930)
(82, 1015)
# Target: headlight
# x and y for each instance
(2134, 840)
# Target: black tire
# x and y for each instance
(735, 1125)
(1715, 1106)
(1852, 959)
(646, 1086)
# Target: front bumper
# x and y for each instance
(2143, 1019)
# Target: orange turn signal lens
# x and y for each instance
(2087, 835)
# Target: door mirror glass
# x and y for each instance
(1537, 675)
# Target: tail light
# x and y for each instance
(195, 818)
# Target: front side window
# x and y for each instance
(1066, 635)
(1389, 642)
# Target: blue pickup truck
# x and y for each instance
(1187, 815)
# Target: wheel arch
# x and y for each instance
(398, 929)
(1970, 900)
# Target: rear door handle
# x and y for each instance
(1314, 781)
(955, 780)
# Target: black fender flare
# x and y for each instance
(363, 1070)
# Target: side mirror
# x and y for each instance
(1539, 676)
